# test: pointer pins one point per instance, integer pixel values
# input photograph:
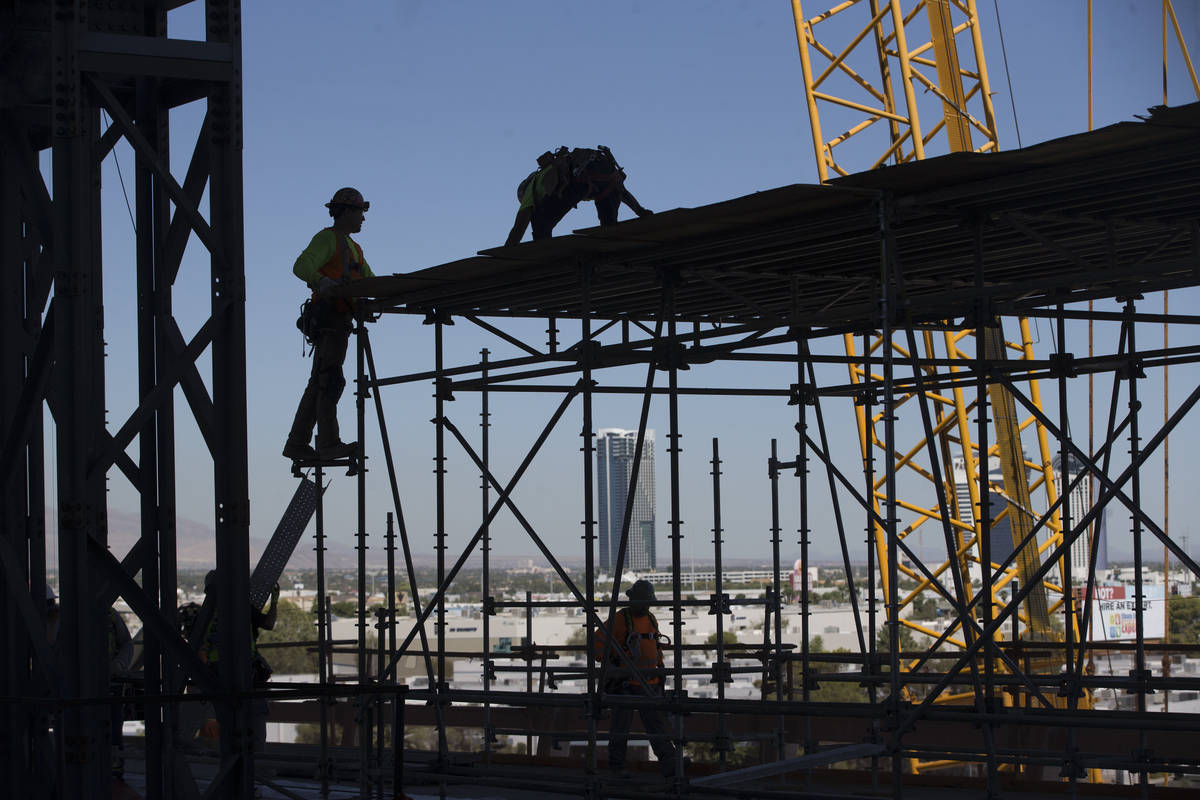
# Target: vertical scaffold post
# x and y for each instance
(589, 508)
(230, 456)
(1140, 674)
(156, 453)
(321, 603)
(439, 470)
(720, 670)
(801, 472)
(783, 667)
(870, 667)
(527, 649)
(486, 547)
(366, 706)
(887, 312)
(675, 359)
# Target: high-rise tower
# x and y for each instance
(614, 472)
(1080, 505)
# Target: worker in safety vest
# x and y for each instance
(210, 652)
(635, 631)
(260, 620)
(331, 259)
(563, 180)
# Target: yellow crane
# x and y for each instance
(933, 51)
(918, 54)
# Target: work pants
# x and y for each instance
(318, 404)
(652, 720)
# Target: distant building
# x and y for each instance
(614, 470)
(1001, 538)
(1001, 530)
(1079, 505)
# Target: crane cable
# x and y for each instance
(1007, 76)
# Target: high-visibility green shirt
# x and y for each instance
(320, 251)
(535, 187)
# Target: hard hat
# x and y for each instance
(349, 197)
(640, 592)
(210, 580)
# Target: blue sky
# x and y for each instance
(435, 111)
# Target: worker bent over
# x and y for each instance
(563, 180)
(331, 259)
(635, 632)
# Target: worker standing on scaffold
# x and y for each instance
(635, 631)
(331, 259)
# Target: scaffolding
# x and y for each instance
(952, 247)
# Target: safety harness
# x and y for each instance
(634, 638)
(314, 312)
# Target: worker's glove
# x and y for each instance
(644, 212)
(326, 283)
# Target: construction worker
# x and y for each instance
(331, 259)
(635, 631)
(563, 180)
(260, 621)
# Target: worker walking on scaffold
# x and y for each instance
(331, 259)
(635, 631)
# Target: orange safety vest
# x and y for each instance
(344, 264)
(638, 637)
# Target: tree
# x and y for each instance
(344, 608)
(827, 691)
(924, 607)
(729, 637)
(738, 754)
(1184, 614)
(908, 642)
(291, 625)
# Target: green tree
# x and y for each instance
(924, 607)
(729, 637)
(908, 642)
(1184, 614)
(739, 753)
(344, 608)
(827, 691)
(291, 625)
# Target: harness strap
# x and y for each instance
(632, 637)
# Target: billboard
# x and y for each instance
(1114, 615)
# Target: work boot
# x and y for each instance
(299, 451)
(667, 767)
(332, 452)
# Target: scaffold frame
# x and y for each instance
(952, 246)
